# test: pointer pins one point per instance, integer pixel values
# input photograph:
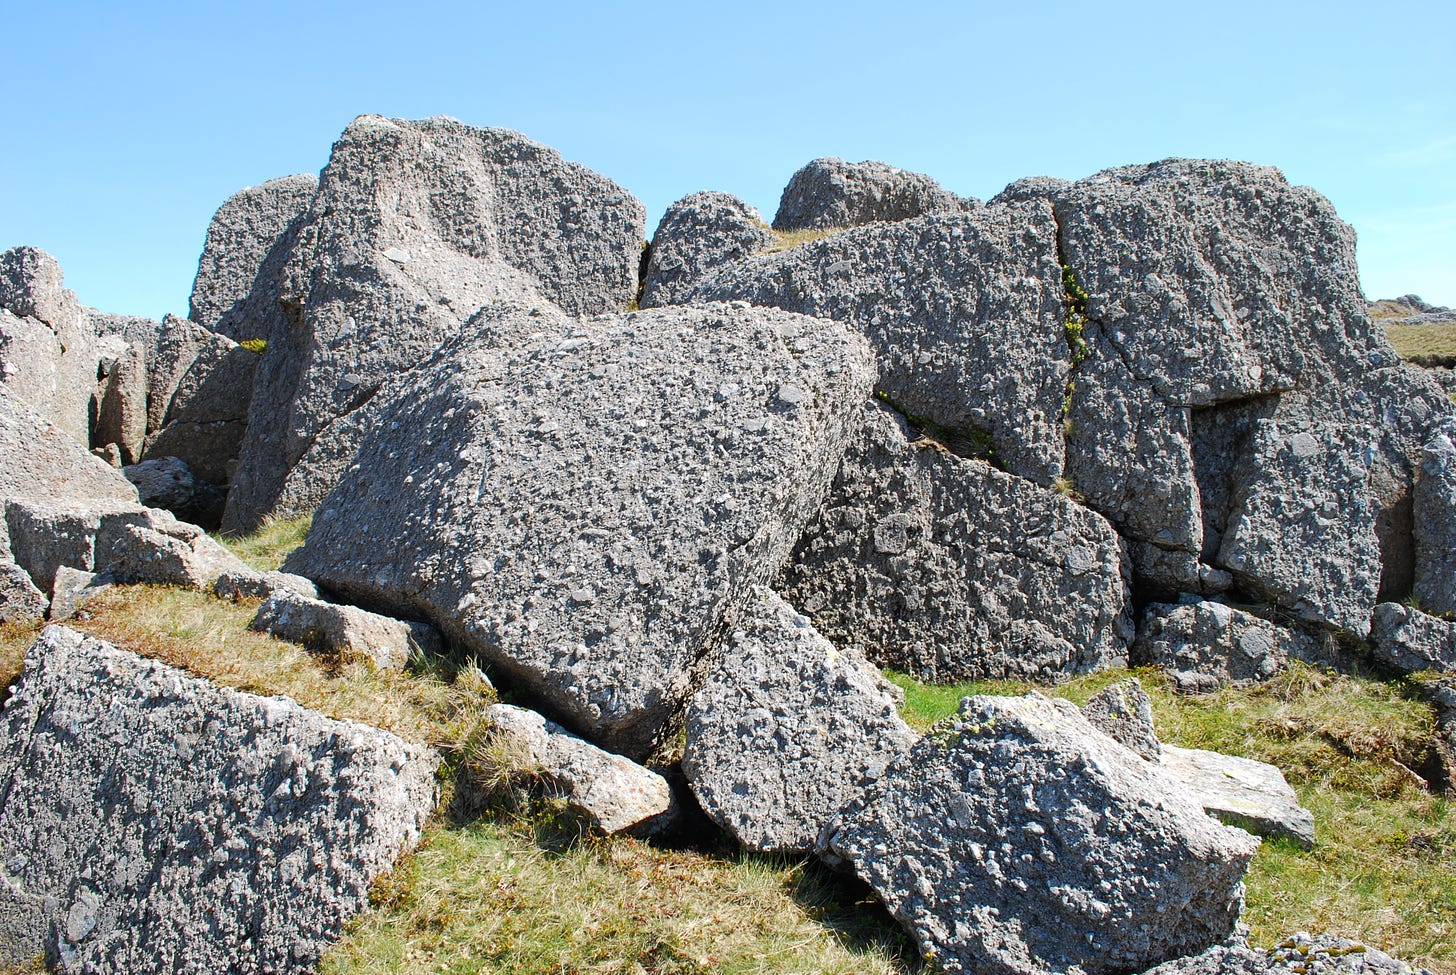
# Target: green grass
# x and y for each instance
(266, 548)
(789, 239)
(1425, 345)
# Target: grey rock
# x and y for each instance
(1124, 712)
(830, 192)
(1302, 528)
(1435, 523)
(1218, 960)
(1410, 640)
(613, 793)
(1206, 645)
(31, 287)
(43, 462)
(121, 397)
(787, 729)
(1241, 792)
(950, 569)
(240, 273)
(347, 630)
(20, 600)
(484, 215)
(30, 354)
(698, 233)
(966, 315)
(155, 822)
(580, 502)
(1328, 954)
(1015, 837)
(246, 583)
(165, 482)
(72, 589)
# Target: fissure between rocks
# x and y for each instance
(971, 443)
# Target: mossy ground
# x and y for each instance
(1425, 345)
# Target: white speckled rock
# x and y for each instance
(1241, 792)
(698, 233)
(1410, 640)
(387, 642)
(1124, 712)
(31, 288)
(1206, 645)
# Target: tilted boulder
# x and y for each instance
(1017, 838)
(1206, 645)
(165, 482)
(1124, 712)
(830, 192)
(240, 274)
(121, 397)
(698, 233)
(387, 642)
(156, 822)
(950, 569)
(43, 462)
(1241, 792)
(580, 502)
(31, 288)
(1410, 640)
(21, 601)
(613, 793)
(787, 729)
(1435, 526)
(414, 227)
(966, 313)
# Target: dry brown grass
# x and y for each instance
(1424, 345)
(789, 239)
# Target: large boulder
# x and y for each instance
(239, 276)
(155, 822)
(829, 192)
(43, 462)
(414, 227)
(698, 233)
(31, 288)
(1017, 838)
(21, 601)
(966, 313)
(1409, 640)
(580, 502)
(1206, 645)
(950, 569)
(1435, 522)
(121, 397)
(787, 729)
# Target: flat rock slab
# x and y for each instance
(1410, 640)
(787, 729)
(581, 502)
(1017, 838)
(1207, 645)
(155, 822)
(322, 626)
(1241, 792)
(949, 569)
(614, 793)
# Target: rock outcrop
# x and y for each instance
(1409, 640)
(787, 729)
(698, 233)
(1015, 837)
(414, 227)
(950, 569)
(49, 356)
(1206, 645)
(830, 192)
(582, 502)
(154, 822)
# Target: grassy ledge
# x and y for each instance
(789, 239)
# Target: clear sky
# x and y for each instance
(125, 125)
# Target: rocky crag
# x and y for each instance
(1141, 417)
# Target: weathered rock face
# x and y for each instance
(1241, 792)
(43, 462)
(389, 643)
(1302, 527)
(154, 822)
(1410, 640)
(615, 794)
(698, 233)
(1327, 954)
(1218, 960)
(830, 192)
(121, 397)
(1124, 712)
(787, 729)
(1206, 645)
(965, 312)
(20, 600)
(414, 227)
(1015, 837)
(166, 482)
(950, 569)
(581, 502)
(31, 288)
(1435, 526)
(237, 289)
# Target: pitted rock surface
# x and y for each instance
(698, 233)
(580, 502)
(165, 482)
(1435, 522)
(965, 312)
(1124, 712)
(155, 822)
(20, 600)
(1410, 640)
(121, 397)
(1206, 645)
(830, 192)
(240, 273)
(787, 729)
(614, 793)
(31, 288)
(1302, 527)
(42, 462)
(1218, 960)
(1016, 838)
(329, 627)
(1327, 954)
(414, 227)
(950, 569)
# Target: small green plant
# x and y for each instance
(257, 346)
(1073, 328)
(1065, 487)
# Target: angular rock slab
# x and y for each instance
(31, 288)
(1124, 712)
(155, 822)
(698, 233)
(614, 793)
(43, 462)
(1435, 523)
(1206, 645)
(966, 313)
(1410, 640)
(1017, 838)
(581, 502)
(829, 192)
(950, 569)
(387, 642)
(1302, 527)
(20, 600)
(787, 729)
(1218, 960)
(1241, 792)
(415, 226)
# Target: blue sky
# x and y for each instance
(126, 125)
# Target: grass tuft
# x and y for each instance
(789, 239)
(1424, 345)
(266, 548)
